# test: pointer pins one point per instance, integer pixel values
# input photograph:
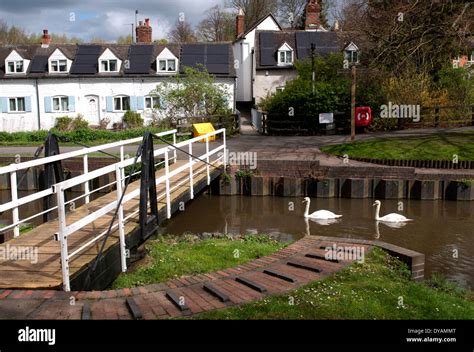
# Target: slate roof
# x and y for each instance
(267, 44)
(37, 55)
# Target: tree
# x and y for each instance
(125, 39)
(254, 10)
(182, 33)
(291, 12)
(193, 94)
(218, 26)
(404, 33)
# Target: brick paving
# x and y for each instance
(154, 302)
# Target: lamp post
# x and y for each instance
(353, 101)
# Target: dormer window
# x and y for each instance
(166, 62)
(58, 66)
(285, 55)
(15, 66)
(351, 54)
(109, 65)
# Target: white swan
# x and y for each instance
(318, 215)
(390, 217)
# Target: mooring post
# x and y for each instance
(148, 224)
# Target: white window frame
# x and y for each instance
(121, 97)
(61, 99)
(15, 63)
(349, 56)
(107, 66)
(286, 54)
(167, 68)
(155, 101)
(280, 89)
(58, 65)
(16, 104)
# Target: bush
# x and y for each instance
(63, 123)
(133, 119)
(79, 123)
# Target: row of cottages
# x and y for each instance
(266, 52)
(39, 83)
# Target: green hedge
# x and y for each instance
(85, 135)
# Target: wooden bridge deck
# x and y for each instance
(46, 272)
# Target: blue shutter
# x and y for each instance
(133, 103)
(110, 104)
(4, 104)
(72, 103)
(47, 104)
(28, 104)
(141, 103)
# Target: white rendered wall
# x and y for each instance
(267, 85)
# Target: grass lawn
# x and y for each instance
(440, 146)
(378, 289)
(169, 258)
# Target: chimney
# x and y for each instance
(240, 24)
(45, 39)
(144, 32)
(312, 15)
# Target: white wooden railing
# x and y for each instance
(13, 170)
(212, 158)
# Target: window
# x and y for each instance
(17, 104)
(286, 57)
(60, 104)
(59, 66)
(15, 66)
(280, 89)
(109, 65)
(122, 103)
(351, 56)
(152, 102)
(167, 65)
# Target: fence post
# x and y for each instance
(86, 184)
(472, 115)
(224, 137)
(168, 195)
(121, 224)
(15, 211)
(175, 153)
(207, 160)
(191, 172)
(63, 238)
(122, 159)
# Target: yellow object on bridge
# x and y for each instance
(201, 129)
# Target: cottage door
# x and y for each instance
(92, 108)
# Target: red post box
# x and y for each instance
(363, 116)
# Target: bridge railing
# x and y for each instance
(13, 171)
(126, 205)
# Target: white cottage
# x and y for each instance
(39, 83)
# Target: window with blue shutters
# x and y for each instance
(110, 104)
(16, 105)
(141, 103)
(133, 103)
(28, 104)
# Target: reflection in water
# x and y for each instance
(438, 230)
(393, 225)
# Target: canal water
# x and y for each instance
(442, 230)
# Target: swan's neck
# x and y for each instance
(377, 212)
(306, 213)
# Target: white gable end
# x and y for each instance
(58, 55)
(15, 57)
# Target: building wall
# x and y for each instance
(243, 55)
(77, 89)
(267, 84)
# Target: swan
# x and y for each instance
(390, 217)
(320, 214)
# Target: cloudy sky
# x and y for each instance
(106, 19)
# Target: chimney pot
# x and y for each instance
(45, 39)
(312, 15)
